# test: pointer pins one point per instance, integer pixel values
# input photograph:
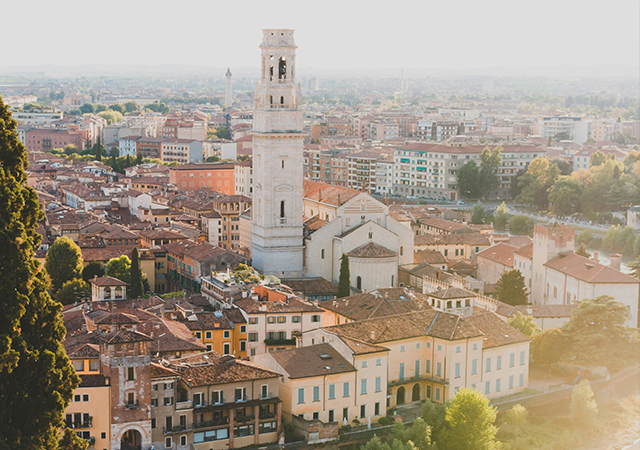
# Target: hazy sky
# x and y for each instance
(343, 34)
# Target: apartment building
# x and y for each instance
(46, 139)
(183, 151)
(224, 331)
(275, 317)
(149, 147)
(243, 182)
(577, 128)
(362, 170)
(384, 176)
(332, 126)
(430, 170)
(219, 177)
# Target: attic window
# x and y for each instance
(325, 356)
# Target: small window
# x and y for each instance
(130, 373)
(226, 334)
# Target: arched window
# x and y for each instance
(322, 254)
(400, 396)
(107, 292)
(359, 283)
(370, 235)
(282, 208)
(326, 217)
(415, 393)
(282, 68)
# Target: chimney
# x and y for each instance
(373, 335)
(595, 257)
(615, 260)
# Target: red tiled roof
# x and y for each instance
(501, 253)
(588, 270)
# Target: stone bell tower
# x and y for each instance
(277, 247)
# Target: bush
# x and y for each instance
(384, 420)
(521, 225)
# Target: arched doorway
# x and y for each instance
(415, 393)
(400, 396)
(131, 440)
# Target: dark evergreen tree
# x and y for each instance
(136, 288)
(344, 283)
(36, 378)
(93, 269)
(511, 288)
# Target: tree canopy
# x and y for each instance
(477, 216)
(36, 377)
(119, 268)
(63, 262)
(136, 288)
(500, 217)
(524, 324)
(73, 291)
(511, 288)
(521, 225)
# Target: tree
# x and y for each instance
(91, 270)
(63, 262)
(71, 149)
(511, 289)
(98, 149)
(468, 180)
(547, 347)
(131, 106)
(500, 220)
(110, 116)
(71, 441)
(117, 107)
(536, 182)
(584, 409)
(521, 225)
(491, 160)
(119, 268)
(136, 289)
(470, 423)
(562, 136)
(87, 108)
(596, 334)
(344, 283)
(598, 159)
(582, 251)
(434, 416)
(223, 133)
(524, 324)
(565, 196)
(635, 267)
(418, 434)
(477, 217)
(36, 377)
(73, 291)
(213, 158)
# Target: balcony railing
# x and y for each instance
(183, 405)
(132, 405)
(82, 424)
(175, 429)
(267, 415)
(211, 423)
(246, 418)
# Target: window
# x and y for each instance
(418, 345)
(487, 366)
(498, 362)
(316, 393)
(243, 430)
(282, 319)
(331, 416)
(267, 427)
(168, 386)
(243, 328)
(300, 395)
(512, 359)
(474, 367)
(439, 347)
(363, 411)
(168, 401)
(378, 384)
(183, 441)
(402, 348)
(315, 318)
(226, 334)
(168, 443)
(438, 369)
(241, 394)
(498, 385)
(282, 208)
(457, 370)
(376, 409)
(428, 344)
(243, 346)
(487, 388)
(416, 368)
(253, 320)
(253, 337)
(131, 373)
(154, 402)
(85, 397)
(401, 372)
(198, 334)
(427, 366)
(226, 348)
(522, 358)
(295, 319)
(322, 254)
(364, 364)
(198, 399)
(153, 425)
(216, 398)
(378, 362)
(345, 389)
(207, 335)
(131, 398)
(437, 394)
(458, 349)
(521, 380)
(271, 320)
(510, 381)
(332, 391)
(264, 391)
(316, 416)
(345, 413)
(363, 387)
(359, 283)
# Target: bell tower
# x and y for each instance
(277, 247)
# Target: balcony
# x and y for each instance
(267, 415)
(212, 423)
(271, 342)
(246, 418)
(132, 405)
(183, 405)
(175, 429)
(83, 424)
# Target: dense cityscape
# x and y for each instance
(277, 261)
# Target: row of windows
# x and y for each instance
(283, 319)
(345, 413)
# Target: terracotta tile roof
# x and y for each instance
(107, 281)
(404, 326)
(429, 257)
(162, 233)
(371, 250)
(123, 336)
(160, 371)
(293, 304)
(361, 347)
(85, 351)
(588, 270)
(452, 239)
(450, 293)
(326, 193)
(506, 310)
(368, 305)
(520, 241)
(501, 253)
(496, 331)
(441, 224)
(312, 361)
(525, 251)
(118, 318)
(234, 315)
(94, 380)
(220, 370)
(310, 286)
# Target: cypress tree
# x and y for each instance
(98, 148)
(36, 377)
(344, 284)
(136, 288)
